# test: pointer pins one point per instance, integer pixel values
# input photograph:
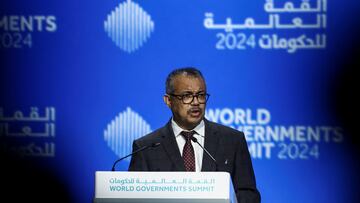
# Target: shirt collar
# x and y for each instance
(199, 129)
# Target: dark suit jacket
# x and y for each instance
(226, 145)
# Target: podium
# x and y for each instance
(161, 187)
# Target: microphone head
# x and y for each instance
(194, 139)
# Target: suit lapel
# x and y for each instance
(211, 144)
(170, 145)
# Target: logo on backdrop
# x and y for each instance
(289, 26)
(28, 133)
(129, 26)
(284, 142)
(123, 130)
(265, 140)
(17, 31)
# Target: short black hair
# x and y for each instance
(186, 71)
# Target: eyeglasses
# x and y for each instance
(189, 98)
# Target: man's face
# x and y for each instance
(187, 116)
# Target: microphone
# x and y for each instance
(206, 151)
(152, 146)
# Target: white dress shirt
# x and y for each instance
(199, 135)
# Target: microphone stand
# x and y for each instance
(137, 151)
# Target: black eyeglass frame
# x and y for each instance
(182, 96)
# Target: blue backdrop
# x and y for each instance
(80, 80)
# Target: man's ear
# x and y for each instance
(167, 100)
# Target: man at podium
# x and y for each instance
(189, 142)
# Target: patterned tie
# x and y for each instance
(188, 151)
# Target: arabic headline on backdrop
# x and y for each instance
(37, 132)
(309, 35)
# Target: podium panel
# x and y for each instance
(158, 187)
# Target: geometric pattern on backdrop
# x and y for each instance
(123, 130)
(129, 26)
